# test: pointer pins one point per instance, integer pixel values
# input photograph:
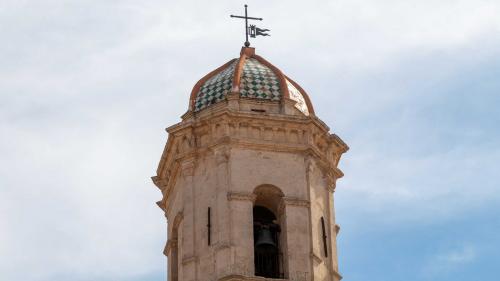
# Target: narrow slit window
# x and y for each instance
(324, 236)
(208, 226)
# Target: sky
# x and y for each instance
(88, 87)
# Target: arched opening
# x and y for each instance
(267, 231)
(266, 243)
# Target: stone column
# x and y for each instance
(298, 238)
(188, 243)
(241, 210)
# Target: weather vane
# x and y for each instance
(253, 30)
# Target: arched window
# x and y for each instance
(267, 231)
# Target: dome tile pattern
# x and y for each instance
(298, 97)
(252, 77)
(258, 81)
(216, 88)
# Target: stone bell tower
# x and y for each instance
(248, 178)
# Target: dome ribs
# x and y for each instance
(244, 54)
(249, 76)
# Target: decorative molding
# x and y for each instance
(309, 162)
(161, 204)
(237, 272)
(294, 201)
(221, 246)
(242, 196)
(159, 182)
(189, 259)
(316, 258)
(337, 229)
(177, 220)
(331, 188)
(336, 274)
(222, 155)
(184, 138)
(330, 181)
(169, 245)
(187, 168)
(189, 114)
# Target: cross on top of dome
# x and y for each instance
(251, 30)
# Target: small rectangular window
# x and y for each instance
(324, 236)
(208, 226)
(258, 110)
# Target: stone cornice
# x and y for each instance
(241, 196)
(222, 156)
(276, 117)
(159, 182)
(337, 140)
(293, 201)
(220, 129)
(161, 204)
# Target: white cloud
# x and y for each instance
(88, 86)
(449, 260)
(464, 255)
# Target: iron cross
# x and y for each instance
(246, 17)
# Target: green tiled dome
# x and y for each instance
(216, 88)
(252, 77)
(257, 81)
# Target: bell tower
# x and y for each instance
(248, 179)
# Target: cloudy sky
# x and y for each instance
(87, 88)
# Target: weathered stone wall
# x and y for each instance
(217, 159)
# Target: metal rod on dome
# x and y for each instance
(247, 43)
(246, 17)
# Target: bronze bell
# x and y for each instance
(265, 238)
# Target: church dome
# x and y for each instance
(252, 77)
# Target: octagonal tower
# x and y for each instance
(247, 179)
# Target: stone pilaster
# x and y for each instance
(298, 238)
(241, 210)
(189, 244)
(223, 222)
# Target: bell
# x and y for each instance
(265, 238)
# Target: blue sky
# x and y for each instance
(87, 88)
